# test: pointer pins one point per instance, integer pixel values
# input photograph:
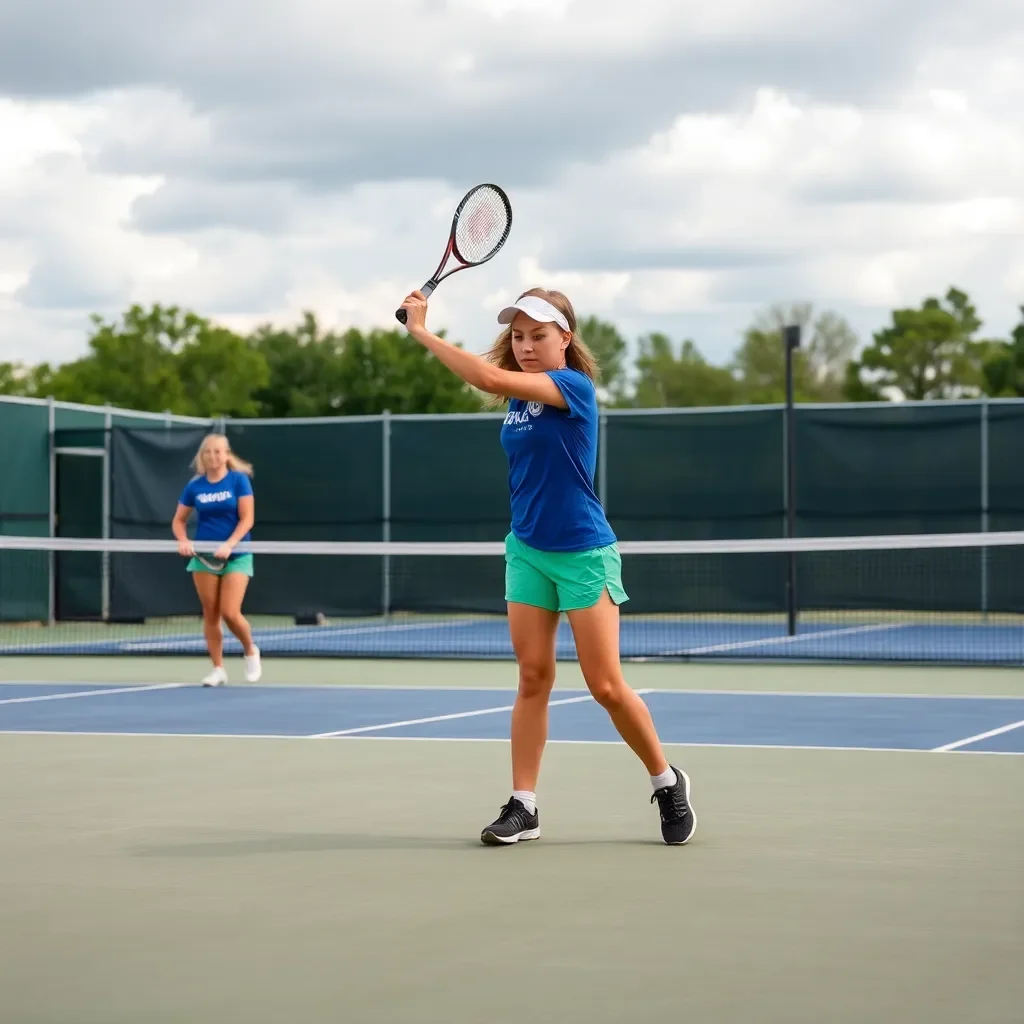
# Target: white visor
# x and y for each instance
(535, 308)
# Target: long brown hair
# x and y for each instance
(577, 355)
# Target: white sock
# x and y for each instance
(666, 778)
(527, 799)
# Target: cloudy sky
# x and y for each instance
(672, 165)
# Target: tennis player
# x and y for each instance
(221, 494)
(561, 554)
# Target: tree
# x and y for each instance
(15, 379)
(305, 375)
(925, 353)
(220, 373)
(130, 364)
(167, 359)
(609, 348)
(666, 379)
(819, 365)
(317, 373)
(1002, 365)
(389, 370)
(161, 359)
(832, 346)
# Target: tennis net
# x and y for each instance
(956, 598)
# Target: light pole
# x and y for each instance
(791, 339)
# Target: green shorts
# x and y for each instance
(561, 581)
(240, 563)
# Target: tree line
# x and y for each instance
(168, 359)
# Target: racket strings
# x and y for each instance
(482, 226)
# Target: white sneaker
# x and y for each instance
(218, 677)
(253, 668)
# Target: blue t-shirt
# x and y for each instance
(216, 504)
(552, 458)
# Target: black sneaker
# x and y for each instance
(514, 824)
(677, 818)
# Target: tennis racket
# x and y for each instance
(211, 563)
(480, 226)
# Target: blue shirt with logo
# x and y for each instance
(216, 504)
(552, 459)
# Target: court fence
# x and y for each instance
(663, 475)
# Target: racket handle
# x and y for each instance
(400, 314)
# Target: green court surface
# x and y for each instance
(171, 878)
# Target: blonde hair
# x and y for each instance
(234, 462)
(577, 355)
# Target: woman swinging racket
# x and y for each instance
(221, 494)
(561, 554)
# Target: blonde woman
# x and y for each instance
(221, 494)
(561, 554)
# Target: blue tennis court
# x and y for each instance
(977, 642)
(911, 723)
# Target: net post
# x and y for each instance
(385, 422)
(51, 566)
(602, 460)
(108, 424)
(791, 340)
(984, 503)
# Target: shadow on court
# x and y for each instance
(318, 842)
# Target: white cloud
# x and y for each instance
(546, 9)
(858, 208)
(669, 170)
(33, 132)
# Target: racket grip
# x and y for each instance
(400, 314)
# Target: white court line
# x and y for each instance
(297, 633)
(671, 690)
(957, 744)
(814, 747)
(491, 739)
(100, 692)
(738, 644)
(442, 718)
(106, 734)
(845, 694)
(308, 687)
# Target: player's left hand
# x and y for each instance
(223, 552)
(415, 306)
